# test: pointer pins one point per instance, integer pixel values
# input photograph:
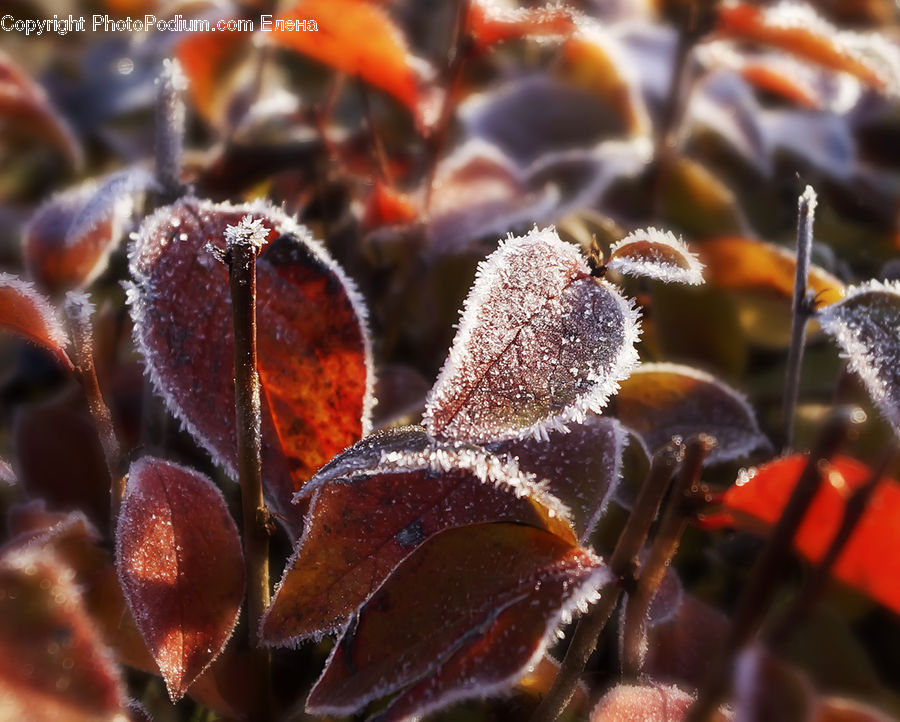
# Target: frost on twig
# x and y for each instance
(170, 115)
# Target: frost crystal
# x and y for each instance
(540, 343)
(866, 325)
(249, 231)
(656, 254)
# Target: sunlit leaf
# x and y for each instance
(27, 313)
(798, 29)
(67, 242)
(358, 38)
(697, 200)
(386, 206)
(581, 467)
(179, 559)
(539, 679)
(647, 703)
(656, 254)
(492, 21)
(865, 326)
(25, 108)
(838, 709)
(540, 343)
(314, 358)
(53, 665)
(464, 616)
(748, 264)
(867, 562)
(663, 400)
(374, 504)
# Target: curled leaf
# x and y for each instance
(867, 563)
(662, 400)
(864, 325)
(53, 665)
(374, 505)
(656, 254)
(465, 615)
(581, 467)
(179, 560)
(313, 350)
(540, 343)
(27, 313)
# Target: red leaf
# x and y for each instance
(647, 703)
(314, 357)
(180, 564)
(491, 22)
(373, 505)
(656, 254)
(797, 29)
(26, 312)
(867, 562)
(581, 467)
(25, 108)
(659, 401)
(386, 206)
(53, 665)
(470, 611)
(68, 240)
(540, 343)
(358, 38)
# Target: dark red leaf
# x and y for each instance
(314, 357)
(357, 37)
(26, 312)
(867, 563)
(469, 611)
(581, 467)
(659, 401)
(180, 564)
(374, 505)
(540, 343)
(53, 665)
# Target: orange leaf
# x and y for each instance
(868, 562)
(464, 616)
(387, 206)
(210, 60)
(27, 313)
(366, 516)
(179, 559)
(772, 79)
(314, 358)
(797, 29)
(491, 22)
(357, 38)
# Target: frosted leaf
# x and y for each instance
(582, 468)
(866, 327)
(663, 400)
(7, 475)
(375, 504)
(656, 254)
(26, 312)
(648, 702)
(314, 357)
(180, 564)
(466, 615)
(540, 343)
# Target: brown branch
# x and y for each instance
(622, 564)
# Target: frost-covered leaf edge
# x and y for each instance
(692, 275)
(579, 600)
(283, 221)
(56, 331)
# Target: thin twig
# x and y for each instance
(459, 53)
(665, 545)
(781, 629)
(170, 119)
(78, 313)
(376, 143)
(622, 564)
(766, 576)
(243, 243)
(802, 311)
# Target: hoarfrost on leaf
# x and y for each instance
(866, 326)
(540, 343)
(656, 254)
